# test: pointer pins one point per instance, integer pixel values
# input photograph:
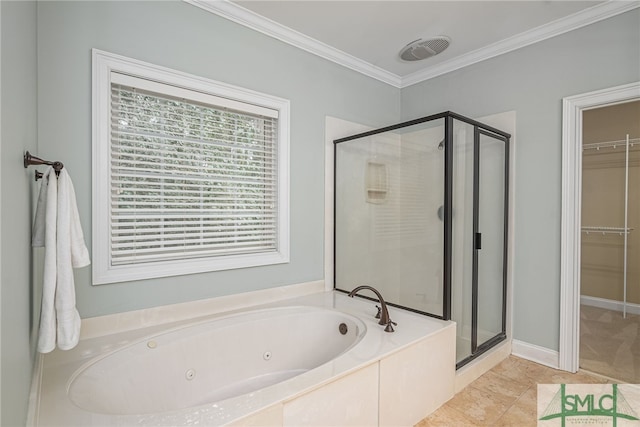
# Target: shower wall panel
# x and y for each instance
(391, 233)
(462, 245)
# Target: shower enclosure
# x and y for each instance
(421, 215)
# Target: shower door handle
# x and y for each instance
(477, 241)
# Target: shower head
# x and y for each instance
(441, 145)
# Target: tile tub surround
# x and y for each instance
(379, 362)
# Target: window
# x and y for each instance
(189, 175)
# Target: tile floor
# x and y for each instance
(504, 396)
(609, 343)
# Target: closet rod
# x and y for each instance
(607, 230)
(611, 144)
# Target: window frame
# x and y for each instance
(103, 272)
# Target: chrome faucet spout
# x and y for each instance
(384, 312)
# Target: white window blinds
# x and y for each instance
(192, 175)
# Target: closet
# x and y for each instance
(604, 148)
(610, 250)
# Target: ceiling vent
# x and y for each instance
(423, 49)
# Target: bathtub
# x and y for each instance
(213, 361)
(271, 360)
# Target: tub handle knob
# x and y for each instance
(379, 312)
(390, 325)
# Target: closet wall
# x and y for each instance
(603, 203)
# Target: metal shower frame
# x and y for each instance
(479, 129)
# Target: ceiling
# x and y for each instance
(367, 36)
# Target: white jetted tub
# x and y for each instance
(213, 361)
(294, 362)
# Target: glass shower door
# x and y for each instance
(489, 238)
(479, 190)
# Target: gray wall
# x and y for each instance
(46, 109)
(19, 120)
(532, 81)
(54, 40)
(183, 37)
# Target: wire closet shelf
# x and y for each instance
(606, 230)
(621, 143)
(627, 144)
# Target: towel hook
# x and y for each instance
(33, 160)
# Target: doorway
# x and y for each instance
(610, 247)
(571, 236)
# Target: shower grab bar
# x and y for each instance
(30, 160)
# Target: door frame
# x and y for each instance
(570, 239)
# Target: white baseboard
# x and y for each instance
(609, 304)
(535, 353)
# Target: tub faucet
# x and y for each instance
(383, 312)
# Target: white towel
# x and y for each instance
(57, 228)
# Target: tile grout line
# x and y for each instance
(510, 405)
(516, 401)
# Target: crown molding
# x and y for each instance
(250, 19)
(572, 22)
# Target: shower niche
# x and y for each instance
(421, 215)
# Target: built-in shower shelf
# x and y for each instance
(376, 195)
(377, 182)
(607, 230)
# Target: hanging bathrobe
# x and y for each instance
(57, 228)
